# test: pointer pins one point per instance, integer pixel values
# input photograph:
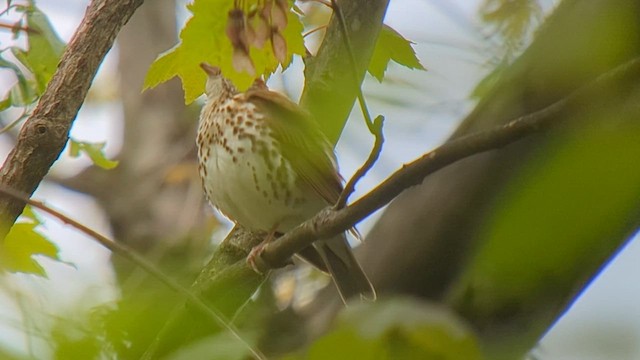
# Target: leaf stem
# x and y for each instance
(368, 164)
(354, 65)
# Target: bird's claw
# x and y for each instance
(254, 259)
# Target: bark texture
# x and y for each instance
(45, 132)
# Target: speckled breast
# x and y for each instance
(242, 170)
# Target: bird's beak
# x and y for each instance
(210, 70)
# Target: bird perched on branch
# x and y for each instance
(266, 165)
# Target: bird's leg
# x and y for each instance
(254, 255)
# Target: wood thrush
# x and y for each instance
(266, 165)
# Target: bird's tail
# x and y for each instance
(344, 269)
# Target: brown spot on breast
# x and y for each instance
(274, 190)
(287, 196)
(255, 176)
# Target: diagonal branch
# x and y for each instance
(45, 132)
(331, 222)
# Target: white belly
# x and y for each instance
(238, 185)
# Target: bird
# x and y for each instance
(266, 165)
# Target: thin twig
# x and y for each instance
(362, 171)
(330, 222)
(321, 2)
(15, 122)
(15, 27)
(375, 128)
(129, 254)
(314, 30)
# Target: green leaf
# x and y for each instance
(203, 39)
(23, 93)
(396, 329)
(29, 214)
(22, 243)
(222, 346)
(514, 19)
(392, 46)
(95, 151)
(44, 48)
(72, 339)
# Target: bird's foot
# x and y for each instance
(255, 261)
(254, 258)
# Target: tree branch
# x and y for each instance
(330, 222)
(45, 132)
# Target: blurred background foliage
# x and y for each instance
(477, 262)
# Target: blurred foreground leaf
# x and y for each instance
(222, 346)
(558, 222)
(513, 19)
(22, 243)
(396, 329)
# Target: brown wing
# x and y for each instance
(302, 142)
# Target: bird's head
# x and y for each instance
(217, 85)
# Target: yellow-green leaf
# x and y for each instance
(397, 328)
(95, 151)
(44, 48)
(40, 59)
(203, 39)
(22, 243)
(392, 46)
(514, 19)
